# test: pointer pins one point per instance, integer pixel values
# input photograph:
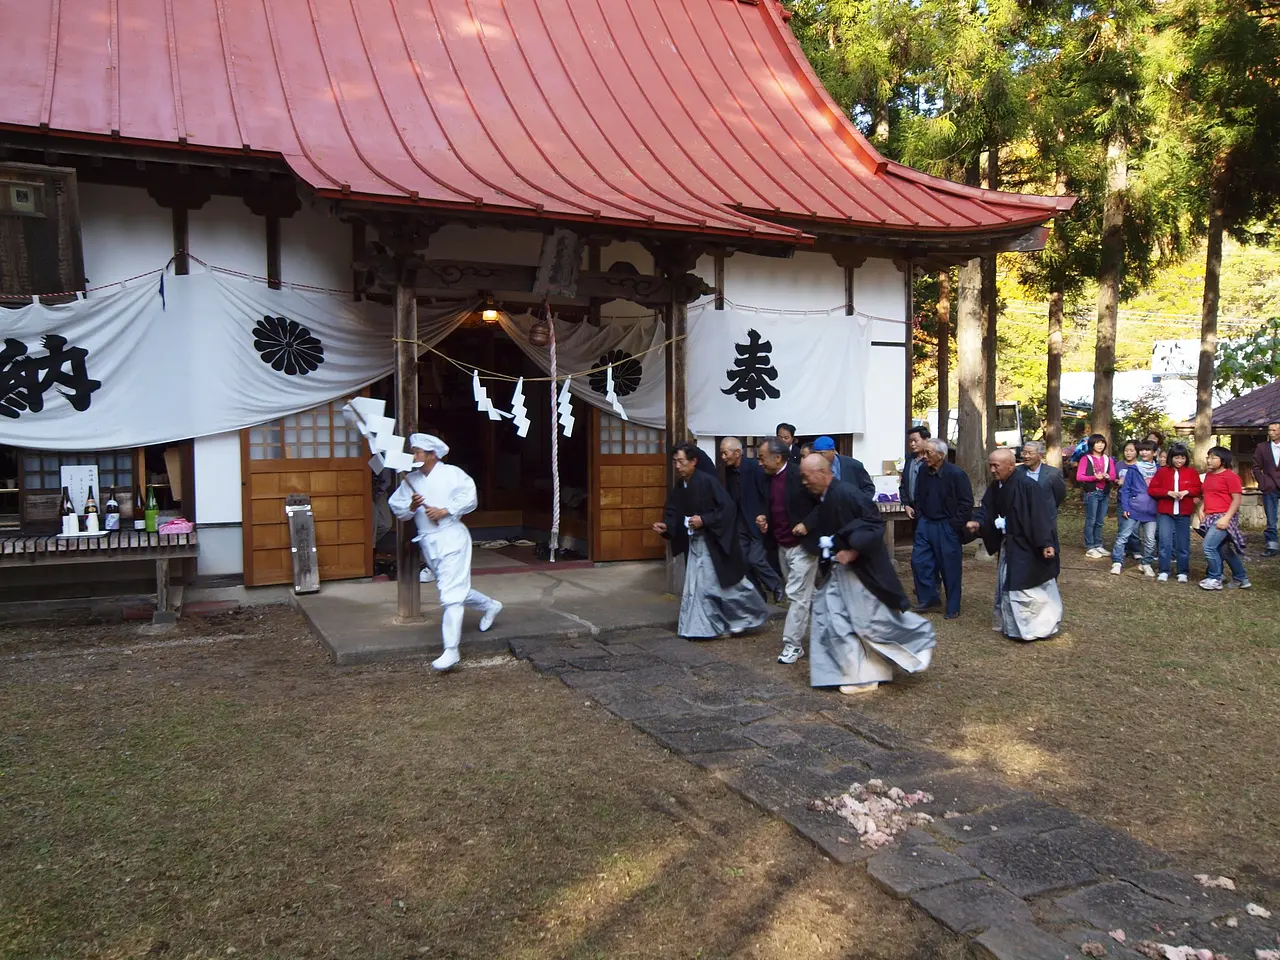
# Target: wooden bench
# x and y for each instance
(890, 510)
(118, 546)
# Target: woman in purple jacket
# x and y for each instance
(1137, 511)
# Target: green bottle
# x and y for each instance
(152, 513)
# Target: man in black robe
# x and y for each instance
(1018, 519)
(748, 488)
(700, 521)
(862, 626)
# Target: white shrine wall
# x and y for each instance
(125, 233)
(814, 281)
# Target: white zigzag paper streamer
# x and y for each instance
(610, 395)
(483, 403)
(564, 409)
(518, 410)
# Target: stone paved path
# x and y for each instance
(1026, 879)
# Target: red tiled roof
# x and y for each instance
(700, 115)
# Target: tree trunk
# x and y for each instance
(944, 351)
(970, 454)
(1209, 315)
(1053, 379)
(1112, 257)
(990, 316)
(882, 124)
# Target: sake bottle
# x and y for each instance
(70, 522)
(90, 513)
(152, 513)
(111, 519)
(139, 503)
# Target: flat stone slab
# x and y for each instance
(1014, 819)
(1022, 941)
(1116, 904)
(873, 730)
(762, 786)
(703, 741)
(971, 906)
(1115, 951)
(744, 712)
(961, 791)
(1029, 865)
(1110, 851)
(904, 871)
(1185, 891)
(1239, 942)
(772, 734)
(835, 837)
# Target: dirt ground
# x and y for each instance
(221, 791)
(1157, 709)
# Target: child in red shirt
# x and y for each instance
(1223, 541)
(1175, 488)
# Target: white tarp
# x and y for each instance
(209, 353)
(747, 371)
(633, 347)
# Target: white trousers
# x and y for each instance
(451, 617)
(799, 568)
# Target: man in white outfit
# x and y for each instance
(437, 496)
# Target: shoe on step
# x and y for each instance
(1163, 578)
(490, 615)
(1115, 569)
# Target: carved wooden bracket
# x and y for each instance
(277, 198)
(675, 258)
(174, 192)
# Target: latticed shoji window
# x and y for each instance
(618, 436)
(316, 434)
(41, 472)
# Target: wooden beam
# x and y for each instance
(273, 251)
(181, 240)
(408, 589)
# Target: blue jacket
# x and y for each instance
(1134, 499)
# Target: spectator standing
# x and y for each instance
(1175, 489)
(1137, 511)
(1049, 477)
(1096, 473)
(1223, 541)
(1266, 470)
(916, 438)
(1128, 458)
(944, 505)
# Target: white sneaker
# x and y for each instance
(446, 661)
(1147, 571)
(1182, 578)
(1163, 578)
(1115, 569)
(1208, 583)
(490, 615)
(854, 689)
(1097, 553)
(426, 576)
(791, 652)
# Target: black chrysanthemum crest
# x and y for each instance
(287, 345)
(627, 372)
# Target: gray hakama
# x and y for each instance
(856, 638)
(1031, 614)
(709, 610)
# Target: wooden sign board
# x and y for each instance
(302, 538)
(78, 480)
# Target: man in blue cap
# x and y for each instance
(846, 469)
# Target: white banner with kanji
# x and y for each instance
(154, 362)
(747, 371)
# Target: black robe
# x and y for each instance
(1030, 517)
(703, 496)
(854, 521)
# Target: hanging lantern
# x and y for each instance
(540, 333)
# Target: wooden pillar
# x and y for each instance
(677, 327)
(408, 589)
(909, 294)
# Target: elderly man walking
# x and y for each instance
(749, 490)
(943, 505)
(437, 496)
(792, 517)
(861, 628)
(1050, 477)
(1018, 520)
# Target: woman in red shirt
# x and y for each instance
(1175, 488)
(1223, 541)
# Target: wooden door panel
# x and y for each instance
(341, 502)
(628, 490)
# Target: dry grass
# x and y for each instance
(1157, 709)
(243, 798)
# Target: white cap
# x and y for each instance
(425, 441)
